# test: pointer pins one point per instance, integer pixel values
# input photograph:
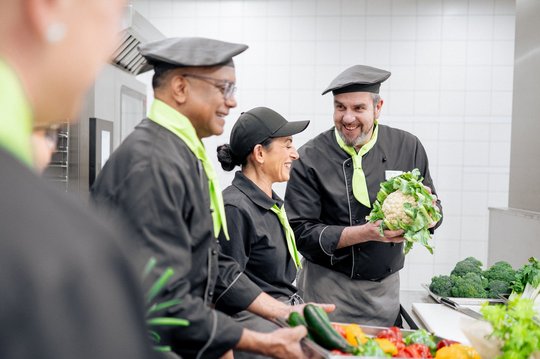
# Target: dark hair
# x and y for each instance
(226, 158)
(161, 70)
(229, 161)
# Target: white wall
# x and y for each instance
(451, 85)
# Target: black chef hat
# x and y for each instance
(257, 125)
(358, 78)
(190, 52)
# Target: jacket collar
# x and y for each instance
(254, 193)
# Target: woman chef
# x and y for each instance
(261, 240)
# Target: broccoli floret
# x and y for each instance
(497, 287)
(441, 285)
(501, 271)
(468, 265)
(471, 285)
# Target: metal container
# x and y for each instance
(313, 350)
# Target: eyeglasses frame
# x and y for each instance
(227, 88)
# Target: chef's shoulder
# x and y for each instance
(233, 197)
(394, 135)
(322, 146)
(151, 146)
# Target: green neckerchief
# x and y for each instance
(289, 234)
(15, 116)
(359, 184)
(174, 121)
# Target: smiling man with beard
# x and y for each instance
(330, 192)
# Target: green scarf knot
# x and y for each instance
(360, 190)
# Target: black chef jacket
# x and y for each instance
(160, 186)
(68, 290)
(320, 201)
(258, 241)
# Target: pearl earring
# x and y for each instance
(55, 32)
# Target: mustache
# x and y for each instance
(359, 140)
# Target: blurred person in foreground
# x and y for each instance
(261, 240)
(330, 193)
(162, 180)
(43, 142)
(68, 290)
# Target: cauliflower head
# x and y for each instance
(394, 209)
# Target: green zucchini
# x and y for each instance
(321, 330)
(296, 319)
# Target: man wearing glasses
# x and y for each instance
(162, 180)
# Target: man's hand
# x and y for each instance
(271, 308)
(368, 232)
(285, 343)
(326, 307)
(282, 343)
(389, 236)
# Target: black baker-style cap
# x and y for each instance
(358, 78)
(190, 52)
(257, 125)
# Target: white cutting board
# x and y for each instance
(442, 321)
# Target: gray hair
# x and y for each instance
(376, 98)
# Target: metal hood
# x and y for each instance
(136, 30)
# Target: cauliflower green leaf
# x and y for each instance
(403, 202)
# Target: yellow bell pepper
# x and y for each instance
(457, 351)
(387, 346)
(355, 335)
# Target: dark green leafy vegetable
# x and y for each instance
(403, 202)
(442, 285)
(154, 308)
(497, 288)
(471, 285)
(502, 271)
(529, 273)
(468, 265)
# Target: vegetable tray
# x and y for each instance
(314, 351)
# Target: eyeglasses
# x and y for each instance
(227, 88)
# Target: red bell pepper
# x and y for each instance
(414, 351)
(445, 343)
(394, 335)
(340, 329)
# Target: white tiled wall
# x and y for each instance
(451, 85)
